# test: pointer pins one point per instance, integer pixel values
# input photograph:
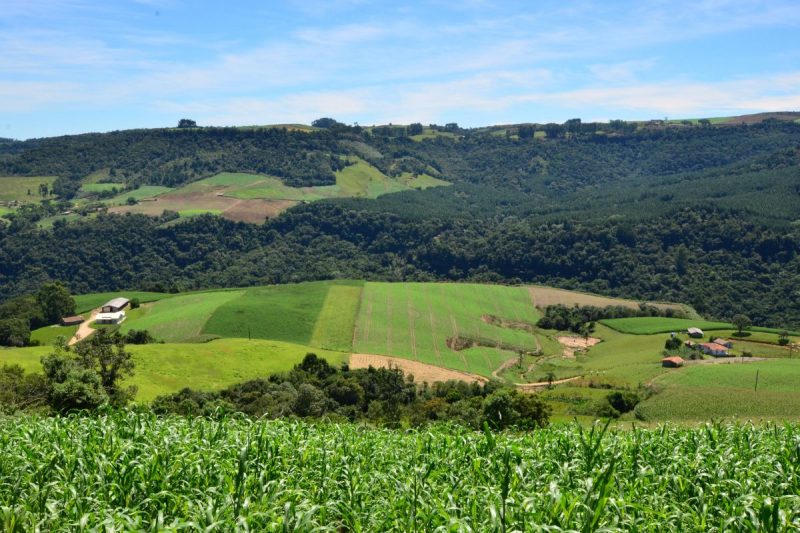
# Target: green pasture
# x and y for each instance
(700, 392)
(101, 187)
(281, 312)
(422, 181)
(47, 335)
(414, 321)
(270, 188)
(87, 302)
(17, 187)
(359, 179)
(144, 192)
(186, 213)
(5, 210)
(428, 133)
(180, 318)
(167, 368)
(651, 325)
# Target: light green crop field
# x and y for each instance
(180, 318)
(47, 335)
(337, 318)
(167, 368)
(282, 312)
(701, 392)
(414, 321)
(17, 187)
(5, 210)
(651, 325)
(87, 302)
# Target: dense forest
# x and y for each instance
(698, 214)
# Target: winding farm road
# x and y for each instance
(84, 330)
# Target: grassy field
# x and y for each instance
(142, 193)
(650, 325)
(101, 187)
(701, 392)
(47, 335)
(414, 320)
(87, 302)
(17, 187)
(167, 368)
(181, 318)
(544, 296)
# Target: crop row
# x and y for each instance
(130, 470)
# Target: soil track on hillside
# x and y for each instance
(422, 372)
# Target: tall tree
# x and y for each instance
(55, 301)
(741, 322)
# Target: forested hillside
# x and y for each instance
(701, 214)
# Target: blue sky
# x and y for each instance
(73, 66)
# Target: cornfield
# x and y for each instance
(135, 471)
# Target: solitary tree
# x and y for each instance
(91, 377)
(105, 354)
(187, 123)
(741, 322)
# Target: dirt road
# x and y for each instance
(84, 330)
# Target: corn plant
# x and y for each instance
(125, 471)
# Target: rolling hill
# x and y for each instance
(216, 338)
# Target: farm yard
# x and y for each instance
(436, 331)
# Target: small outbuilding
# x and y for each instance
(690, 344)
(115, 305)
(672, 362)
(109, 318)
(724, 342)
(712, 348)
(697, 333)
(72, 320)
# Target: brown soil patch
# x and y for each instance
(576, 343)
(254, 211)
(422, 372)
(544, 296)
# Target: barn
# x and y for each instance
(712, 348)
(697, 333)
(110, 318)
(672, 362)
(72, 320)
(115, 305)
